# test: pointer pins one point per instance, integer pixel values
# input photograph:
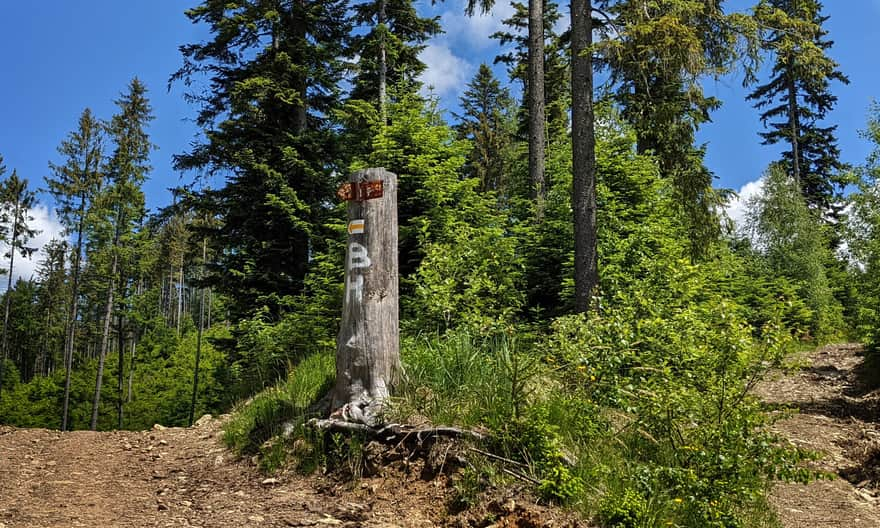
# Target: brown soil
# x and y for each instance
(837, 416)
(185, 477)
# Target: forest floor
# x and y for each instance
(178, 477)
(838, 416)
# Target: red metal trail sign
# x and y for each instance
(360, 191)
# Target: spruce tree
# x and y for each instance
(796, 100)
(556, 67)
(52, 303)
(271, 71)
(486, 123)
(657, 53)
(121, 210)
(74, 186)
(16, 202)
(388, 54)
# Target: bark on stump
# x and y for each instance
(368, 344)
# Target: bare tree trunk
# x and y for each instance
(537, 126)
(105, 341)
(195, 391)
(383, 65)
(794, 126)
(9, 293)
(367, 353)
(586, 270)
(120, 375)
(131, 364)
(208, 326)
(300, 34)
(180, 298)
(71, 323)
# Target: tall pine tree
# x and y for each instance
(657, 55)
(271, 70)
(486, 122)
(797, 98)
(75, 185)
(16, 202)
(122, 209)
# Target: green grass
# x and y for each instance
(264, 416)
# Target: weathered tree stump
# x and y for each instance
(368, 344)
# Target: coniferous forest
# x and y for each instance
(570, 281)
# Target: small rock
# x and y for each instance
(126, 446)
(163, 442)
(158, 427)
(219, 460)
(186, 503)
(269, 482)
(204, 420)
(509, 506)
(256, 518)
(162, 506)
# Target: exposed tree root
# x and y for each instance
(391, 434)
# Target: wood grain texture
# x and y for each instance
(368, 344)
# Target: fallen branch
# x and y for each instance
(497, 457)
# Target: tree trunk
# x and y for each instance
(131, 367)
(71, 323)
(120, 375)
(105, 341)
(9, 292)
(195, 391)
(537, 128)
(180, 298)
(794, 126)
(383, 65)
(586, 270)
(367, 353)
(300, 34)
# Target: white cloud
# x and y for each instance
(445, 72)
(50, 228)
(736, 209)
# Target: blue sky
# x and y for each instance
(67, 55)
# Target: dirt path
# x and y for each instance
(184, 477)
(177, 477)
(837, 417)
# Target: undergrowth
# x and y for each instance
(632, 419)
(270, 423)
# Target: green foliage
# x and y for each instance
(625, 510)
(535, 442)
(465, 378)
(797, 98)
(863, 238)
(471, 272)
(795, 245)
(266, 81)
(286, 405)
(674, 366)
(265, 347)
(657, 56)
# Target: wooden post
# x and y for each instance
(368, 344)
